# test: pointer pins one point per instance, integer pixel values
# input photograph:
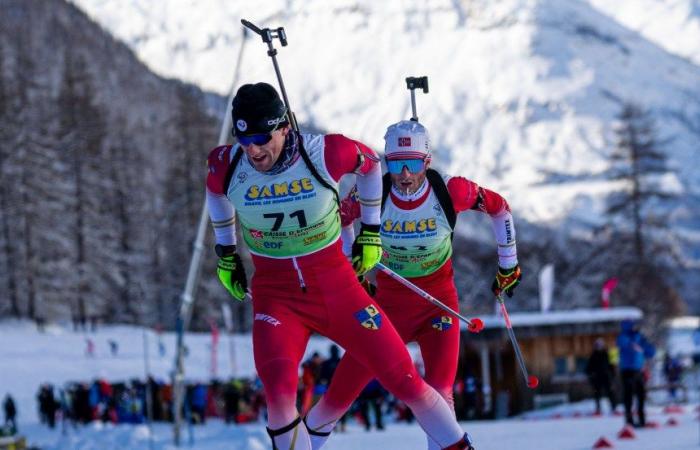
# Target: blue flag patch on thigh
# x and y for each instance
(369, 317)
(442, 323)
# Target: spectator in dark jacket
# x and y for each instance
(635, 349)
(673, 370)
(328, 369)
(10, 413)
(326, 374)
(47, 405)
(232, 399)
(372, 396)
(601, 374)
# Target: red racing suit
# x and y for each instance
(315, 292)
(417, 320)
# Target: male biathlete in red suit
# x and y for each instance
(280, 185)
(416, 233)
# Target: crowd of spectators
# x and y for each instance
(237, 400)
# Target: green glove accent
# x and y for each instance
(367, 249)
(506, 280)
(232, 275)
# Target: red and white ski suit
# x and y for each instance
(332, 302)
(415, 319)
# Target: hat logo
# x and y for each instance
(404, 142)
(241, 125)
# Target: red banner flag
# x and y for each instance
(608, 287)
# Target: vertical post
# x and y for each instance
(149, 393)
(485, 375)
(228, 322)
(187, 297)
(184, 319)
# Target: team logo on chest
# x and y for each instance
(279, 190)
(369, 317)
(442, 323)
(409, 226)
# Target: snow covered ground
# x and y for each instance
(29, 358)
(574, 433)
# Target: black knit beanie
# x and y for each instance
(257, 108)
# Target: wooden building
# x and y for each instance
(555, 345)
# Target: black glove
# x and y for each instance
(231, 271)
(506, 280)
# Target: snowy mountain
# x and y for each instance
(518, 88)
(672, 24)
(524, 94)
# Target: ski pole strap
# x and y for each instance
(443, 196)
(314, 171)
(232, 167)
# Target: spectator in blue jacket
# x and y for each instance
(635, 349)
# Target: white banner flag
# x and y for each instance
(546, 287)
(228, 317)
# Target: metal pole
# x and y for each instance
(530, 380)
(413, 83)
(149, 393)
(474, 325)
(184, 320)
(187, 297)
(267, 36)
(413, 105)
(292, 118)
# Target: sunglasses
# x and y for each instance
(256, 139)
(413, 165)
(262, 138)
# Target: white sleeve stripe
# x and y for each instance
(371, 202)
(224, 223)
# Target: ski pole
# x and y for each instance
(267, 36)
(531, 380)
(474, 325)
(413, 83)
